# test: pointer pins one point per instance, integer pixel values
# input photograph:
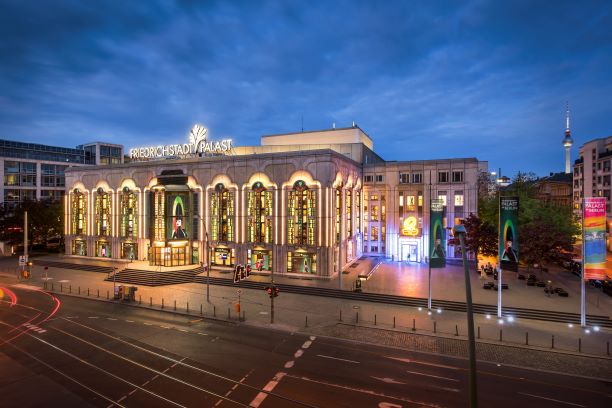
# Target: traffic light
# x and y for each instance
(272, 290)
(236, 274)
(242, 273)
(248, 270)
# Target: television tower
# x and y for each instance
(567, 141)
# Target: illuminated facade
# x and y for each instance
(296, 204)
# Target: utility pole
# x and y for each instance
(272, 297)
(429, 250)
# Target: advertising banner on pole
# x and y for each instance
(594, 238)
(437, 236)
(508, 233)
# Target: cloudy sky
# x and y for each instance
(426, 79)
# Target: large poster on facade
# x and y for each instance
(594, 238)
(437, 238)
(508, 233)
(178, 221)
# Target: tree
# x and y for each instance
(481, 236)
(45, 219)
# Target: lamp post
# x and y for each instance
(460, 232)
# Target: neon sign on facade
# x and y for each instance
(197, 144)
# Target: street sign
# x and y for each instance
(23, 260)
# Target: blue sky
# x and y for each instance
(430, 79)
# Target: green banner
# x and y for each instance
(437, 237)
(508, 233)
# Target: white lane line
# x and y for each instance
(289, 364)
(148, 324)
(131, 392)
(388, 380)
(183, 330)
(432, 376)
(110, 318)
(202, 334)
(552, 399)
(122, 398)
(234, 387)
(364, 391)
(130, 321)
(268, 388)
(407, 360)
(339, 359)
(92, 317)
(298, 353)
(313, 338)
(228, 393)
(306, 344)
(164, 327)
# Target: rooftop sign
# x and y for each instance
(197, 144)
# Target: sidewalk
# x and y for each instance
(294, 312)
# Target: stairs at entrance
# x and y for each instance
(155, 278)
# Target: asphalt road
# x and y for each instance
(64, 351)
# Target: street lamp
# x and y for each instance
(459, 231)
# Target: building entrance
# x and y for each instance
(168, 256)
(410, 252)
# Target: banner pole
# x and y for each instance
(582, 285)
(499, 268)
(429, 263)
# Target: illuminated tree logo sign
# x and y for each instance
(197, 145)
(409, 227)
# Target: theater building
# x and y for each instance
(301, 203)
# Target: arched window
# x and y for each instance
(79, 212)
(103, 212)
(302, 214)
(222, 214)
(259, 214)
(349, 213)
(129, 213)
(158, 211)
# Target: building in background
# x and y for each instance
(303, 203)
(555, 189)
(592, 176)
(31, 171)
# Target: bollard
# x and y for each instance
(340, 314)
(608, 347)
(394, 322)
(228, 314)
(79, 290)
(70, 288)
(500, 334)
(413, 324)
(579, 345)
(98, 294)
(356, 317)
(200, 308)
(552, 341)
(478, 331)
(435, 326)
(87, 291)
(306, 324)
(214, 311)
(52, 286)
(61, 287)
(526, 338)
(244, 315)
(456, 330)
(175, 305)
(140, 299)
(374, 319)
(150, 301)
(187, 307)
(107, 296)
(162, 303)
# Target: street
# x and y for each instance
(66, 351)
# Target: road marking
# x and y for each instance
(388, 405)
(552, 399)
(122, 398)
(407, 360)
(313, 338)
(92, 317)
(164, 327)
(202, 334)
(432, 376)
(289, 364)
(339, 359)
(298, 353)
(111, 318)
(306, 344)
(234, 387)
(364, 391)
(259, 398)
(148, 324)
(130, 321)
(388, 380)
(131, 392)
(183, 330)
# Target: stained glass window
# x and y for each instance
(302, 214)
(222, 214)
(259, 214)
(129, 213)
(79, 213)
(103, 213)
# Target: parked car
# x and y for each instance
(606, 287)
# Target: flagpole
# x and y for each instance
(582, 285)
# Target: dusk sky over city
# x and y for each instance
(425, 80)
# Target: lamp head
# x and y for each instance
(459, 230)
